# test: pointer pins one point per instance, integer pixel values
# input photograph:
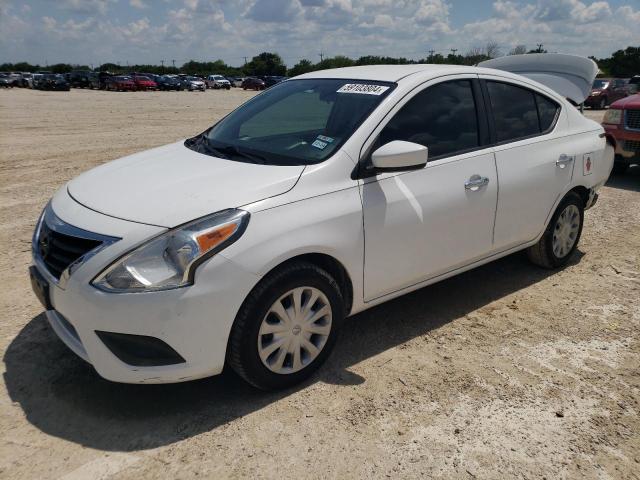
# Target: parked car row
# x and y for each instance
(117, 82)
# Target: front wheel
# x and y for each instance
(286, 327)
(560, 239)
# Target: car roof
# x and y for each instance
(391, 73)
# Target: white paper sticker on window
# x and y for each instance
(319, 144)
(363, 89)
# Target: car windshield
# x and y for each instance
(193, 79)
(139, 77)
(298, 122)
(601, 84)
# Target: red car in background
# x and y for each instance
(606, 91)
(622, 126)
(144, 83)
(119, 83)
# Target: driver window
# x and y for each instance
(442, 118)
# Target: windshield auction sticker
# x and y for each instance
(363, 89)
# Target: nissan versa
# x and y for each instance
(248, 244)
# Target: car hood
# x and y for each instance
(630, 102)
(171, 185)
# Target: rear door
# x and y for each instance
(534, 160)
(423, 223)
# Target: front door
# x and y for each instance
(424, 223)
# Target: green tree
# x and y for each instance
(338, 61)
(267, 63)
(622, 63)
(303, 66)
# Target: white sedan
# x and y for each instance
(248, 244)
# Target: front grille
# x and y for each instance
(632, 146)
(632, 119)
(58, 250)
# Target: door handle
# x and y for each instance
(563, 160)
(476, 182)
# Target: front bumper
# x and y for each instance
(194, 321)
(626, 142)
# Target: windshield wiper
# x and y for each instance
(232, 150)
(201, 143)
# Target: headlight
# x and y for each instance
(593, 94)
(170, 260)
(613, 115)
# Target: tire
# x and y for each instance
(542, 253)
(602, 104)
(243, 349)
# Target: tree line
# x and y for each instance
(622, 63)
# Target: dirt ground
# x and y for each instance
(504, 371)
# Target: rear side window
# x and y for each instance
(548, 111)
(519, 112)
(442, 118)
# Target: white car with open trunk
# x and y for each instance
(332, 192)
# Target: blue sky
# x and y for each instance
(147, 31)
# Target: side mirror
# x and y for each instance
(400, 155)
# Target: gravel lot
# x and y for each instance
(504, 371)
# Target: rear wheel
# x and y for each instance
(286, 327)
(560, 239)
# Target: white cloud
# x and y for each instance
(231, 29)
(138, 4)
(90, 7)
(628, 14)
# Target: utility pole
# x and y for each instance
(321, 56)
(174, 63)
(453, 51)
(245, 60)
(540, 45)
(431, 52)
(162, 63)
